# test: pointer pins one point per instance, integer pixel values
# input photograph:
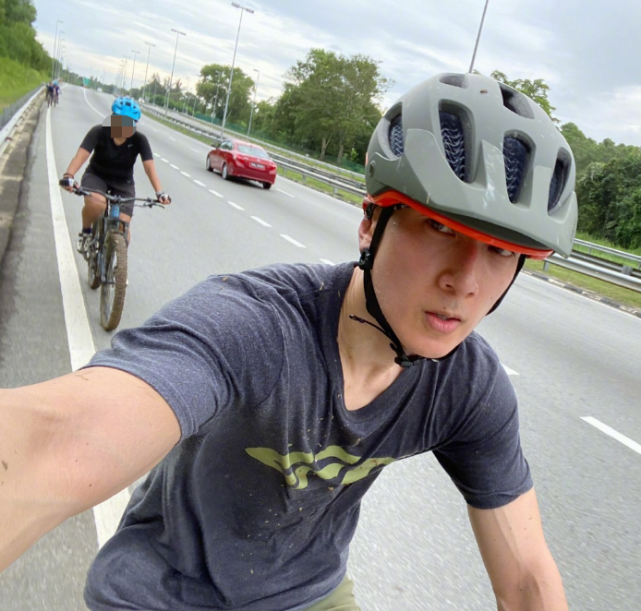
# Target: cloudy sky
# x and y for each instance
(588, 52)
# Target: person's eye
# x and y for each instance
(503, 252)
(440, 227)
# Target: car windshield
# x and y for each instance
(254, 151)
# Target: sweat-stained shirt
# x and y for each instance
(113, 162)
(255, 507)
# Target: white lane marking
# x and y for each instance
(202, 184)
(327, 261)
(102, 114)
(292, 240)
(235, 206)
(156, 154)
(509, 371)
(195, 150)
(154, 129)
(171, 165)
(81, 347)
(259, 220)
(215, 193)
(165, 160)
(604, 428)
(185, 174)
(174, 139)
(284, 192)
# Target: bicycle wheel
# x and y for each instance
(112, 291)
(93, 271)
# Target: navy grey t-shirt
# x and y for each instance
(255, 508)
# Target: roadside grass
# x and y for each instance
(17, 80)
(588, 238)
(605, 289)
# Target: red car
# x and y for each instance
(235, 158)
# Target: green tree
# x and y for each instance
(215, 77)
(536, 90)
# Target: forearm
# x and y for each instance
(539, 591)
(77, 162)
(150, 170)
(27, 510)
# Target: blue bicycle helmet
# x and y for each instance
(126, 107)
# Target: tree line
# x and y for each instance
(18, 36)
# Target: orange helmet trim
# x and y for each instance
(391, 198)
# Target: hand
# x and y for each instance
(163, 198)
(68, 183)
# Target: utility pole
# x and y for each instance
(144, 88)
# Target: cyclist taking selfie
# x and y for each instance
(269, 401)
(115, 145)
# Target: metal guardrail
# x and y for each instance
(11, 115)
(587, 264)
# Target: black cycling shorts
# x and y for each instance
(124, 189)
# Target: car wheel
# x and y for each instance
(267, 185)
(208, 165)
(224, 172)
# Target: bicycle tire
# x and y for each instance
(93, 270)
(112, 291)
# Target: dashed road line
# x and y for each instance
(185, 174)
(156, 154)
(202, 184)
(604, 428)
(233, 205)
(292, 241)
(284, 192)
(327, 261)
(259, 220)
(215, 193)
(171, 165)
(172, 139)
(509, 371)
(165, 160)
(195, 150)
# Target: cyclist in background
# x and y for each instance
(56, 93)
(50, 87)
(115, 146)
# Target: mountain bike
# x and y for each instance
(106, 254)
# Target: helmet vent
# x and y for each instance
(516, 155)
(396, 136)
(559, 178)
(455, 80)
(516, 102)
(454, 142)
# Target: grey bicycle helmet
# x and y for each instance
(481, 156)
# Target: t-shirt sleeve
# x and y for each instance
(211, 349)
(91, 139)
(484, 457)
(145, 148)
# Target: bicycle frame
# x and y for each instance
(109, 221)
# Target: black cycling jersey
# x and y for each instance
(111, 161)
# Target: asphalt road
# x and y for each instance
(569, 358)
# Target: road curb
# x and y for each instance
(585, 293)
(14, 163)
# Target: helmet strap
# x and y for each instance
(519, 267)
(366, 263)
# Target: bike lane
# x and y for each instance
(33, 348)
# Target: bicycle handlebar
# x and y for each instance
(114, 199)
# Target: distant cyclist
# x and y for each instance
(50, 87)
(56, 93)
(115, 146)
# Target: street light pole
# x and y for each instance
(478, 36)
(59, 52)
(132, 70)
(251, 113)
(144, 88)
(171, 78)
(55, 44)
(124, 73)
(233, 61)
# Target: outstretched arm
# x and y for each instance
(71, 443)
(150, 170)
(523, 573)
(77, 162)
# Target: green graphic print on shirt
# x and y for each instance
(296, 466)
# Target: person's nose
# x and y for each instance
(461, 269)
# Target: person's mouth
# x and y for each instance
(443, 322)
